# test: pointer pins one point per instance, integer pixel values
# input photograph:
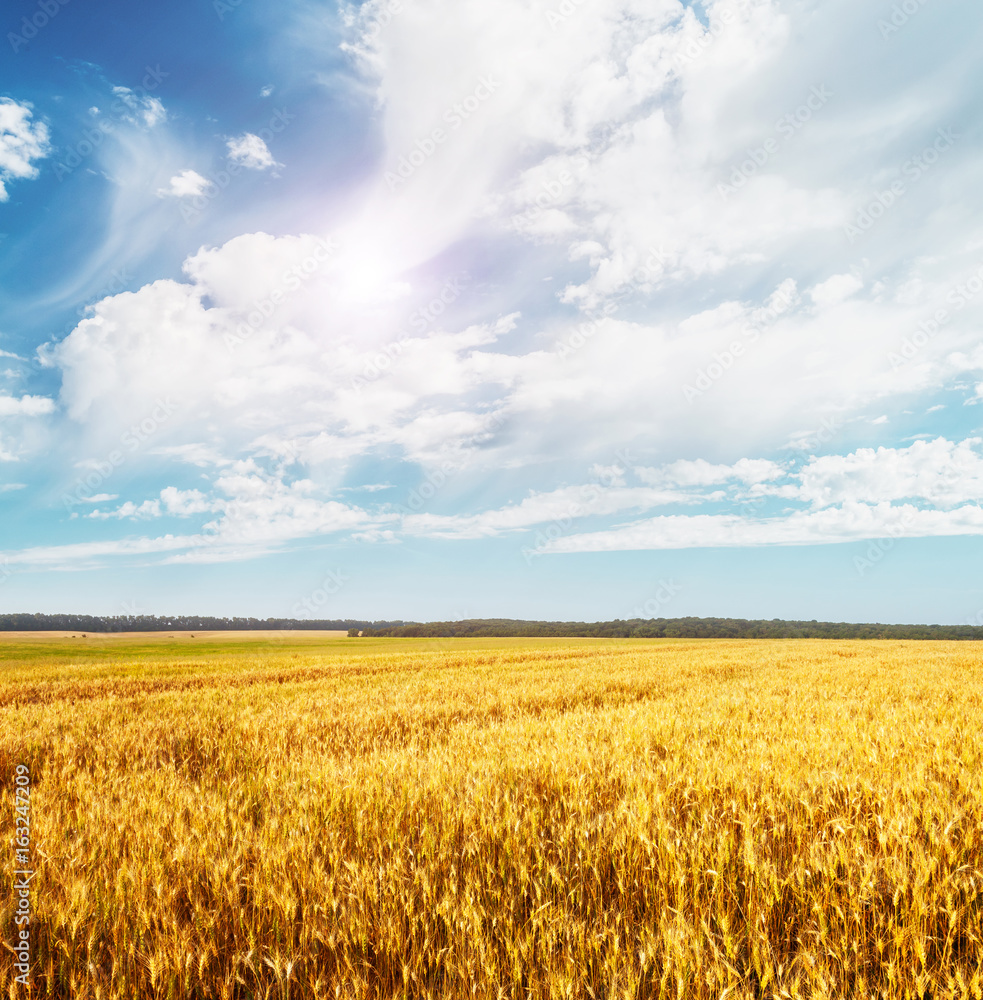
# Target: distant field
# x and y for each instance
(289, 816)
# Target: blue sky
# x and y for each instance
(543, 309)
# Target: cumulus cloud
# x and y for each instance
(672, 199)
(619, 121)
(129, 510)
(249, 345)
(22, 141)
(187, 184)
(250, 151)
(637, 109)
(25, 406)
(944, 472)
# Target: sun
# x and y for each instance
(369, 276)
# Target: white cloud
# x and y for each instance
(699, 472)
(268, 363)
(172, 502)
(25, 406)
(250, 151)
(183, 503)
(835, 290)
(850, 498)
(632, 154)
(851, 522)
(861, 485)
(373, 487)
(187, 184)
(278, 378)
(144, 110)
(21, 142)
(255, 513)
(81, 554)
(659, 112)
(563, 505)
(710, 298)
(941, 471)
(129, 510)
(613, 87)
(193, 453)
(261, 509)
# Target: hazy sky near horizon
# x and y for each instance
(549, 309)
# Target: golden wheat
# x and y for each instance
(485, 819)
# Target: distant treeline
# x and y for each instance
(636, 628)
(675, 628)
(179, 623)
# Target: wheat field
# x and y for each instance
(496, 818)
